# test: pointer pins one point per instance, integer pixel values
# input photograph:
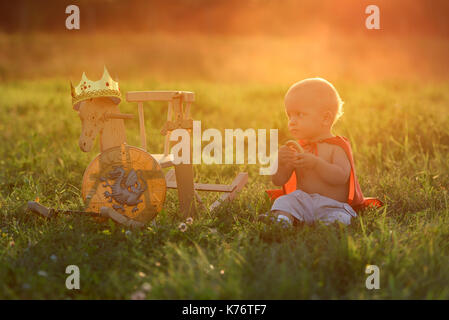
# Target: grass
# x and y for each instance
(400, 136)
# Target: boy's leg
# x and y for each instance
(294, 206)
(329, 210)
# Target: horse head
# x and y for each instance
(92, 113)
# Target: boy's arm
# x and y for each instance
(334, 173)
(282, 175)
(285, 165)
(338, 171)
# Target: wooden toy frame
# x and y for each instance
(181, 177)
(106, 120)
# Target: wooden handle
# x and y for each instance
(119, 218)
(38, 208)
(119, 116)
(143, 137)
(167, 135)
(114, 215)
(141, 96)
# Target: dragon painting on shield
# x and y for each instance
(125, 190)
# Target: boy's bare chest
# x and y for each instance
(324, 151)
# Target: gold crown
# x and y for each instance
(87, 89)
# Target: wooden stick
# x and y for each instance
(238, 184)
(170, 176)
(165, 161)
(38, 208)
(143, 137)
(167, 137)
(200, 201)
(50, 212)
(114, 215)
(140, 96)
(170, 180)
(187, 110)
(119, 218)
(111, 115)
(104, 212)
(204, 186)
(186, 191)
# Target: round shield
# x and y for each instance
(127, 179)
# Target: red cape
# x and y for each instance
(355, 195)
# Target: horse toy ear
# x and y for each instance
(72, 89)
(73, 93)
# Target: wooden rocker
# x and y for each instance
(124, 178)
(128, 179)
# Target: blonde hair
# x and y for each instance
(325, 93)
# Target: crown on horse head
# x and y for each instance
(87, 89)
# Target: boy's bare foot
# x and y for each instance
(283, 218)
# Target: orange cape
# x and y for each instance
(355, 196)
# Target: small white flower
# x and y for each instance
(138, 295)
(42, 273)
(189, 220)
(128, 232)
(146, 287)
(182, 227)
(53, 257)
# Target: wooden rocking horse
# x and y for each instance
(128, 179)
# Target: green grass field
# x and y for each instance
(400, 136)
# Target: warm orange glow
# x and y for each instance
(270, 41)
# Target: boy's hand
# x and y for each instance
(287, 156)
(305, 160)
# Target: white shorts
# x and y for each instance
(314, 207)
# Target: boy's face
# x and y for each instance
(305, 116)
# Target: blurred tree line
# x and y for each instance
(226, 16)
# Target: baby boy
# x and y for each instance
(323, 170)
